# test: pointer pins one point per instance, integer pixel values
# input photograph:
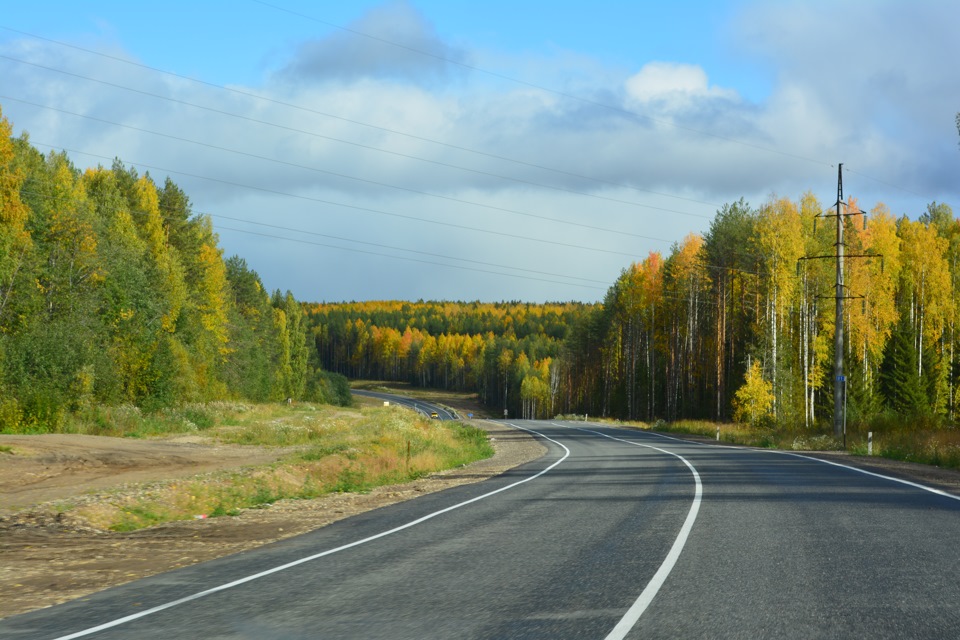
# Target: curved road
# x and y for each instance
(418, 405)
(613, 534)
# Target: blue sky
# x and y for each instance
(537, 150)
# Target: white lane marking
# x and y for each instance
(640, 605)
(915, 485)
(262, 574)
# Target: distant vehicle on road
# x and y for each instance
(434, 415)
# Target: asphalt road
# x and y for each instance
(612, 534)
(426, 408)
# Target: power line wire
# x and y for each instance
(349, 206)
(363, 242)
(256, 96)
(337, 174)
(384, 246)
(450, 266)
(314, 233)
(575, 97)
(889, 184)
(431, 140)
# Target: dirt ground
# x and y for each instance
(49, 557)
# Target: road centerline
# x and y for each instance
(632, 616)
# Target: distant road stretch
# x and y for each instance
(423, 407)
(613, 534)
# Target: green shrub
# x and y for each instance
(11, 417)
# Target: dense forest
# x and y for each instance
(504, 351)
(113, 292)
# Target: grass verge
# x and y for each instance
(331, 449)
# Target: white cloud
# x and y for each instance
(879, 75)
(672, 85)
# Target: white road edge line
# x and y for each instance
(630, 618)
(909, 483)
(915, 485)
(262, 574)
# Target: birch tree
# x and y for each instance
(926, 298)
(780, 244)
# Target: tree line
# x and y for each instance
(503, 351)
(112, 291)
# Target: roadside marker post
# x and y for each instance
(870, 443)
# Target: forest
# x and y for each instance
(112, 292)
(733, 325)
(504, 351)
(739, 324)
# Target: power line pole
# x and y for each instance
(839, 378)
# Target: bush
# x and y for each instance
(11, 417)
(329, 388)
(43, 409)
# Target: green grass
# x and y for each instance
(129, 421)
(137, 517)
(5, 449)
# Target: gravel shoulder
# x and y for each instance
(49, 557)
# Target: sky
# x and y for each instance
(447, 150)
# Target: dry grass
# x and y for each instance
(333, 450)
(893, 438)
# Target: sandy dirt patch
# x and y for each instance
(43, 468)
